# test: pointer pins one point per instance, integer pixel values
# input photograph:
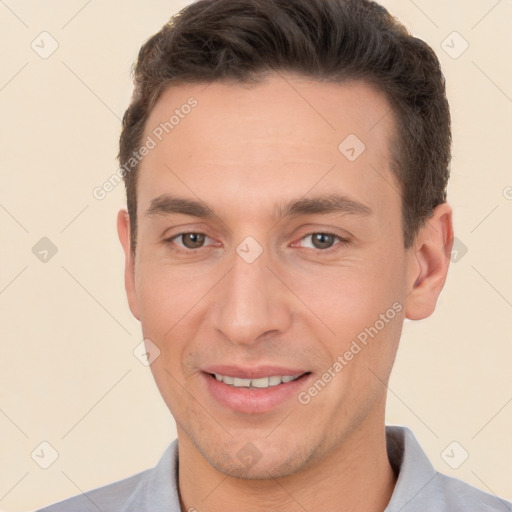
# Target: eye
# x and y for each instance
(320, 241)
(323, 241)
(189, 240)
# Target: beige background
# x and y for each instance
(67, 372)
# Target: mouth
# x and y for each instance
(254, 391)
(258, 383)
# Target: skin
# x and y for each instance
(245, 150)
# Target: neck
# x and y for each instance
(356, 475)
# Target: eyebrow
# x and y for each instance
(319, 205)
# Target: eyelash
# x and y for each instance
(330, 250)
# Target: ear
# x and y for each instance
(123, 230)
(428, 262)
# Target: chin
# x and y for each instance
(251, 463)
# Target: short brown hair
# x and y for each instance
(334, 40)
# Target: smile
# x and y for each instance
(261, 383)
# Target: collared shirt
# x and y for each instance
(419, 487)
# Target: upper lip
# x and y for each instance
(254, 372)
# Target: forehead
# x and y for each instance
(263, 142)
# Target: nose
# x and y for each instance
(250, 302)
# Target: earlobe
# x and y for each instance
(428, 263)
(123, 230)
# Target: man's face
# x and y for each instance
(257, 290)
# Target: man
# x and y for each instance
(286, 164)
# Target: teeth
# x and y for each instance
(274, 381)
(228, 380)
(261, 383)
(241, 383)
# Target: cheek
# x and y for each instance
(165, 293)
(172, 302)
(359, 309)
(348, 298)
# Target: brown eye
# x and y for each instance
(322, 240)
(192, 240)
(188, 243)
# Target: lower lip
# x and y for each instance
(253, 400)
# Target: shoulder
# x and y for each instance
(109, 498)
(421, 488)
(460, 496)
(143, 492)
